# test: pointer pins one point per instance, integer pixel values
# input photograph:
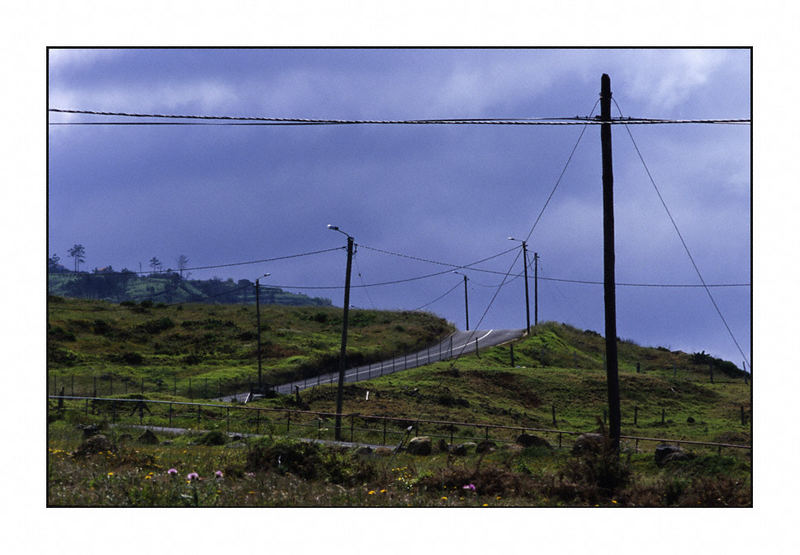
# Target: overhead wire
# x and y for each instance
(683, 242)
(260, 120)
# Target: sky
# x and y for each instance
(445, 193)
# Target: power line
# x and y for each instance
(683, 242)
(443, 295)
(258, 120)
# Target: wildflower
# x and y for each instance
(614, 501)
(172, 471)
(383, 491)
(371, 492)
(485, 504)
(470, 487)
(498, 498)
(192, 476)
(148, 477)
(110, 473)
(250, 474)
(444, 498)
(218, 474)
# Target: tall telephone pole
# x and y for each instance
(535, 289)
(466, 299)
(612, 371)
(343, 352)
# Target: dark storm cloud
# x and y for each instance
(225, 194)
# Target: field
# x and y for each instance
(251, 455)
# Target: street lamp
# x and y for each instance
(535, 286)
(466, 301)
(258, 326)
(343, 352)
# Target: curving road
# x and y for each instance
(455, 345)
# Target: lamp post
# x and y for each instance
(466, 300)
(258, 332)
(527, 301)
(343, 352)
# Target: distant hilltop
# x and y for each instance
(167, 287)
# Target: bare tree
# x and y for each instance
(155, 264)
(77, 252)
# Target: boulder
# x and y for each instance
(463, 448)
(486, 445)
(591, 442)
(529, 440)
(148, 438)
(364, 450)
(443, 446)
(90, 430)
(420, 446)
(666, 453)
(384, 452)
(95, 444)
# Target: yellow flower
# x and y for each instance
(444, 498)
(383, 491)
(498, 498)
(485, 504)
(614, 501)
(371, 492)
(110, 473)
(148, 477)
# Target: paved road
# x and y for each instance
(460, 342)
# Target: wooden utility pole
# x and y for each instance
(527, 302)
(343, 352)
(612, 371)
(535, 289)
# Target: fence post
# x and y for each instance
(559, 439)
(384, 431)
(663, 413)
(319, 427)
(175, 386)
(94, 386)
(199, 414)
(635, 415)
(142, 386)
(227, 419)
(638, 367)
(405, 361)
(486, 435)
(554, 416)
(258, 419)
(111, 385)
(477, 354)
(711, 372)
(288, 421)
(451, 433)
(512, 355)
(417, 357)
(170, 414)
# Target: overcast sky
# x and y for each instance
(450, 193)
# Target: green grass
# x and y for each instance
(95, 343)
(556, 366)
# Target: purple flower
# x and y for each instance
(193, 476)
(470, 487)
(172, 471)
(218, 474)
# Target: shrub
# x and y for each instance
(154, 327)
(601, 470)
(214, 437)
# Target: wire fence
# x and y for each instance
(375, 430)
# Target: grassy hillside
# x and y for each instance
(487, 389)
(557, 366)
(160, 343)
